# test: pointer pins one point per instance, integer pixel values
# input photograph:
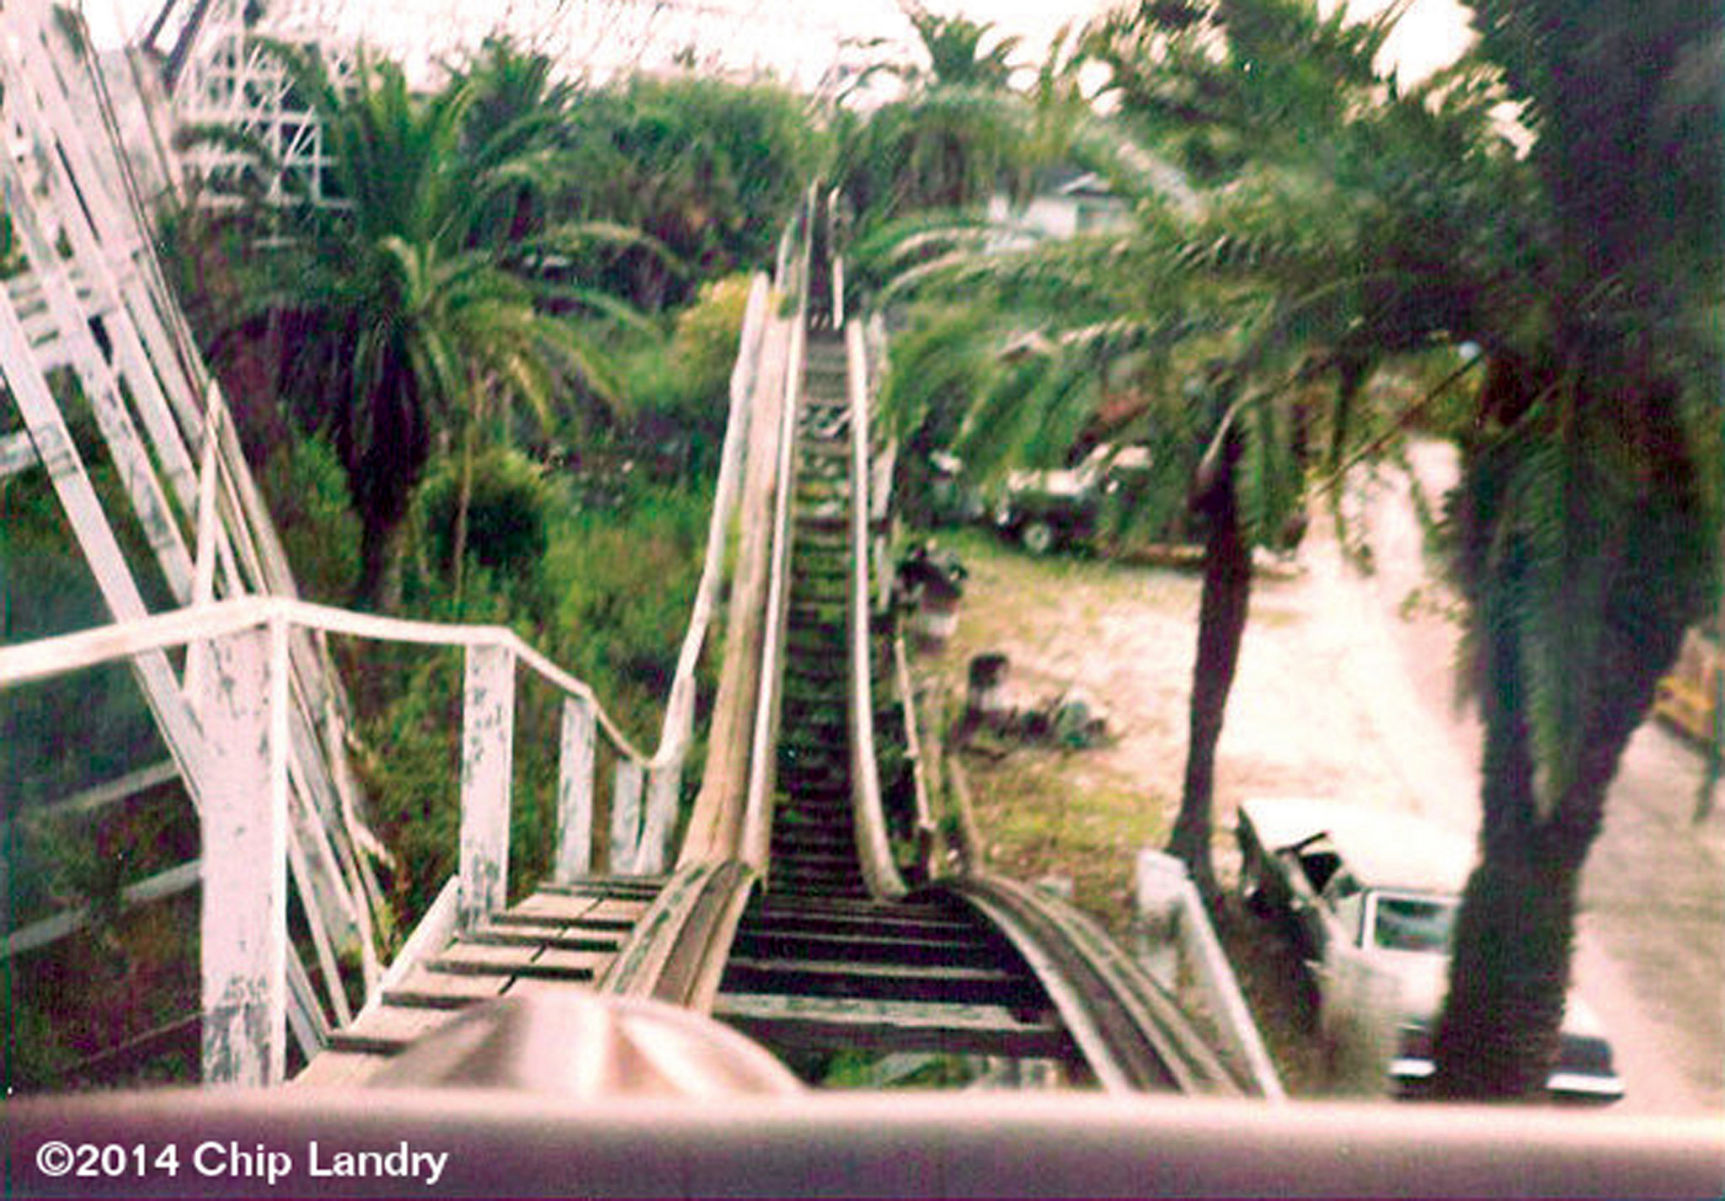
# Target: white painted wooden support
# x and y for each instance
(429, 938)
(52, 929)
(664, 786)
(209, 520)
(101, 796)
(101, 234)
(83, 509)
(16, 454)
(625, 817)
(310, 885)
(88, 241)
(575, 793)
(244, 833)
(487, 764)
(1175, 938)
(204, 567)
(101, 386)
(305, 1016)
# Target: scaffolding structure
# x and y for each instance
(98, 367)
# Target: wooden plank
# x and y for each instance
(558, 960)
(17, 454)
(906, 972)
(341, 1069)
(559, 972)
(469, 958)
(443, 990)
(821, 1022)
(633, 888)
(546, 906)
(614, 909)
(562, 938)
(507, 928)
(389, 1028)
(528, 986)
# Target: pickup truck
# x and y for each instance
(1044, 510)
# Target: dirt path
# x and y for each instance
(1344, 690)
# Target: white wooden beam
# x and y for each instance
(575, 781)
(62, 925)
(625, 817)
(487, 766)
(100, 384)
(60, 458)
(244, 833)
(664, 787)
(16, 454)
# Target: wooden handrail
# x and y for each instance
(758, 810)
(48, 657)
(874, 847)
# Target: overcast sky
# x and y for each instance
(797, 33)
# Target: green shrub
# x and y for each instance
(610, 602)
(625, 583)
(506, 513)
(411, 771)
(306, 490)
(705, 344)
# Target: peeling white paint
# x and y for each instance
(243, 825)
(487, 760)
(575, 793)
(625, 817)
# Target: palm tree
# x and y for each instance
(1586, 527)
(398, 323)
(1227, 316)
(947, 144)
(512, 124)
(707, 170)
(956, 58)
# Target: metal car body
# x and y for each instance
(1369, 897)
(1046, 509)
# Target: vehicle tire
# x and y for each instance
(1037, 537)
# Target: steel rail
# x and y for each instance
(1133, 1036)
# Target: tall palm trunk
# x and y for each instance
(1514, 938)
(463, 505)
(380, 545)
(1510, 968)
(1221, 627)
(1499, 1031)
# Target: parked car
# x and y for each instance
(1370, 898)
(1047, 509)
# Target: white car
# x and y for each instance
(1370, 898)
